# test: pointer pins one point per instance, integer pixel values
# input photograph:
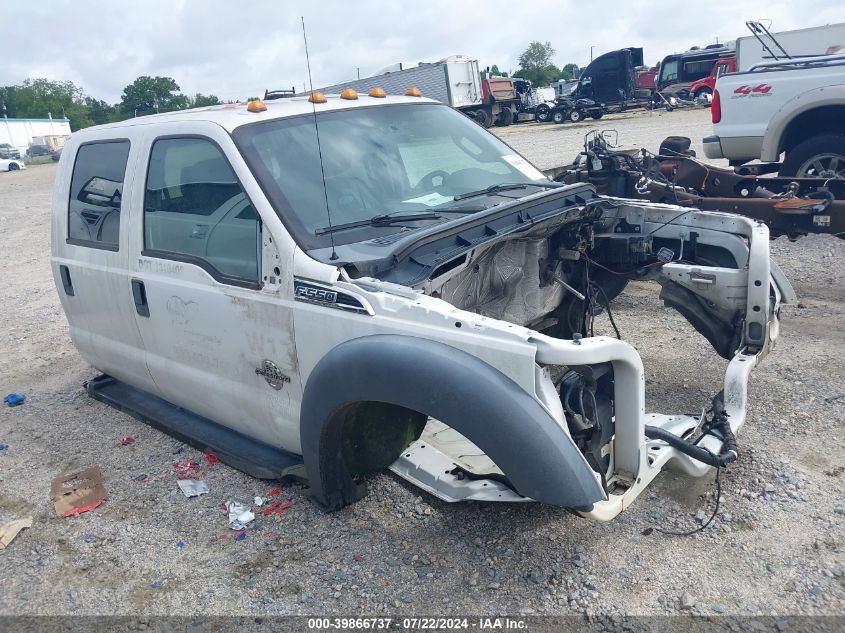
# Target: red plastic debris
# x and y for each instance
(211, 459)
(277, 507)
(224, 537)
(357, 558)
(77, 511)
(126, 441)
(275, 492)
(188, 470)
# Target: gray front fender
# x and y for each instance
(458, 389)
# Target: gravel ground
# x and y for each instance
(550, 145)
(776, 546)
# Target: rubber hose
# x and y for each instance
(698, 453)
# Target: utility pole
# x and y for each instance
(591, 53)
(8, 129)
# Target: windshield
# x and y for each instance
(669, 71)
(377, 160)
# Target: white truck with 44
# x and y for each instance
(792, 108)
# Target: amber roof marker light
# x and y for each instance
(413, 92)
(378, 93)
(256, 105)
(317, 97)
(349, 94)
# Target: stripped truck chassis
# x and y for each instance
(788, 206)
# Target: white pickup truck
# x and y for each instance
(794, 107)
(325, 287)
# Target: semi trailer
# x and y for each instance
(454, 80)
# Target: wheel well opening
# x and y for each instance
(812, 123)
(374, 434)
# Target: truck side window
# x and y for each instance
(96, 189)
(195, 210)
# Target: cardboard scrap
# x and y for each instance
(10, 530)
(78, 492)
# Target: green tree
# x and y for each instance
(201, 100)
(535, 64)
(541, 77)
(570, 71)
(99, 111)
(40, 98)
(148, 95)
(492, 71)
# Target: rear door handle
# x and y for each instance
(139, 296)
(64, 273)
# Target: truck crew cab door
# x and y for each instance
(217, 328)
(91, 259)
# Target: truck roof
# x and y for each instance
(232, 115)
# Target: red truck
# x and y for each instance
(723, 66)
(501, 102)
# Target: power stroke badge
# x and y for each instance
(272, 374)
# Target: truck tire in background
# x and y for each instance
(821, 156)
(598, 115)
(702, 92)
(505, 117)
(482, 118)
(575, 115)
(558, 116)
(543, 113)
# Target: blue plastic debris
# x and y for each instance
(180, 544)
(178, 450)
(156, 584)
(240, 535)
(14, 399)
(88, 538)
(3, 447)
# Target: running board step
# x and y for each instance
(234, 449)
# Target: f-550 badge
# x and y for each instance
(309, 292)
(272, 374)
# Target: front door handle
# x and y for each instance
(139, 296)
(64, 273)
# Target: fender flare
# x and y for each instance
(472, 397)
(799, 104)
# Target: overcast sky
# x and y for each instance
(237, 49)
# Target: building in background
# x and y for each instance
(21, 133)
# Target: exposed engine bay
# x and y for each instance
(555, 277)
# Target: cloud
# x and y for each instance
(236, 50)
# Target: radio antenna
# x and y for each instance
(317, 131)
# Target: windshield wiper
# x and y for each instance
(506, 187)
(385, 219)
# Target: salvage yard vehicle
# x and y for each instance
(323, 287)
(9, 151)
(680, 70)
(455, 80)
(567, 109)
(11, 164)
(789, 206)
(794, 107)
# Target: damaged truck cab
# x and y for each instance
(322, 288)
